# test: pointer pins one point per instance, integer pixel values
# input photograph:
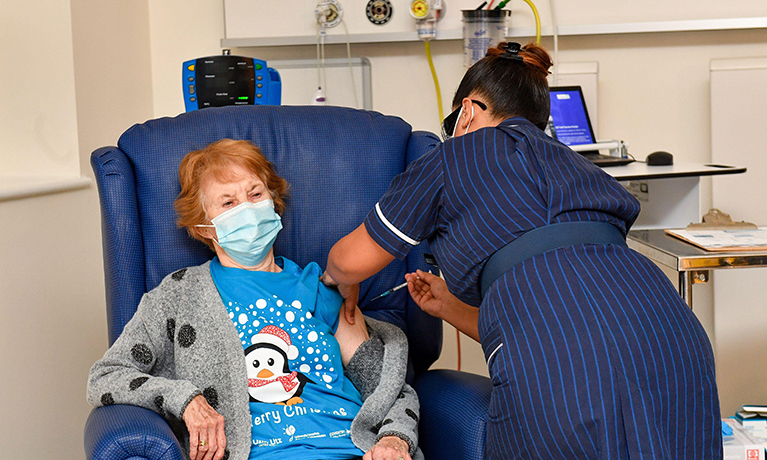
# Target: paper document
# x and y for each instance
(725, 240)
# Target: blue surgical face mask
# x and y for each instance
(247, 232)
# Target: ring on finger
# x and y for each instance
(203, 443)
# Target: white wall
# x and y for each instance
(38, 126)
(52, 314)
(653, 93)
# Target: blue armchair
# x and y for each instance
(338, 162)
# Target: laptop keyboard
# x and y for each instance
(605, 160)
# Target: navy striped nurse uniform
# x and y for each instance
(591, 351)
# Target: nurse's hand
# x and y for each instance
(350, 293)
(388, 448)
(430, 292)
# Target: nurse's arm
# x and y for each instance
(356, 257)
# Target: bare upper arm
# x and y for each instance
(350, 336)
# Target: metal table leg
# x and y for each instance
(685, 286)
(689, 278)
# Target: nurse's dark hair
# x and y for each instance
(511, 87)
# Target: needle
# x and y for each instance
(396, 288)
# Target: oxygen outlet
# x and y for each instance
(329, 13)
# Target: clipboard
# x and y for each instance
(724, 240)
(718, 233)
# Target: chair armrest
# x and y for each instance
(121, 431)
(121, 236)
(453, 414)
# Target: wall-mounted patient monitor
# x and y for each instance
(217, 81)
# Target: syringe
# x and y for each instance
(396, 288)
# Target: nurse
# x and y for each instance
(591, 352)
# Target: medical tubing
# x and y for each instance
(537, 22)
(349, 56)
(319, 67)
(322, 47)
(556, 40)
(319, 73)
(436, 80)
(458, 348)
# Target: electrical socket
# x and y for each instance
(329, 13)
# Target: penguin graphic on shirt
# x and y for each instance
(269, 377)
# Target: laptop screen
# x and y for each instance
(569, 116)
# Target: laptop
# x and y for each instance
(570, 124)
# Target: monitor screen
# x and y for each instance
(225, 80)
(570, 117)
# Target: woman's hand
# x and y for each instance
(389, 448)
(350, 293)
(350, 336)
(206, 430)
(431, 294)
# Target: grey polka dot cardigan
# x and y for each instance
(181, 343)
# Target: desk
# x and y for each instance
(639, 170)
(691, 262)
(669, 195)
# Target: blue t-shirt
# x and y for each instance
(301, 404)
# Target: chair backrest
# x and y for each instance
(338, 162)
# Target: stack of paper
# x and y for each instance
(754, 419)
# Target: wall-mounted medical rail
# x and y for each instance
(695, 25)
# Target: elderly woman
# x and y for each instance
(248, 350)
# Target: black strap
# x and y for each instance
(544, 239)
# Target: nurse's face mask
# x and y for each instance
(450, 123)
(247, 232)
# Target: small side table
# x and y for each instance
(691, 262)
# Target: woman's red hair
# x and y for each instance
(217, 159)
